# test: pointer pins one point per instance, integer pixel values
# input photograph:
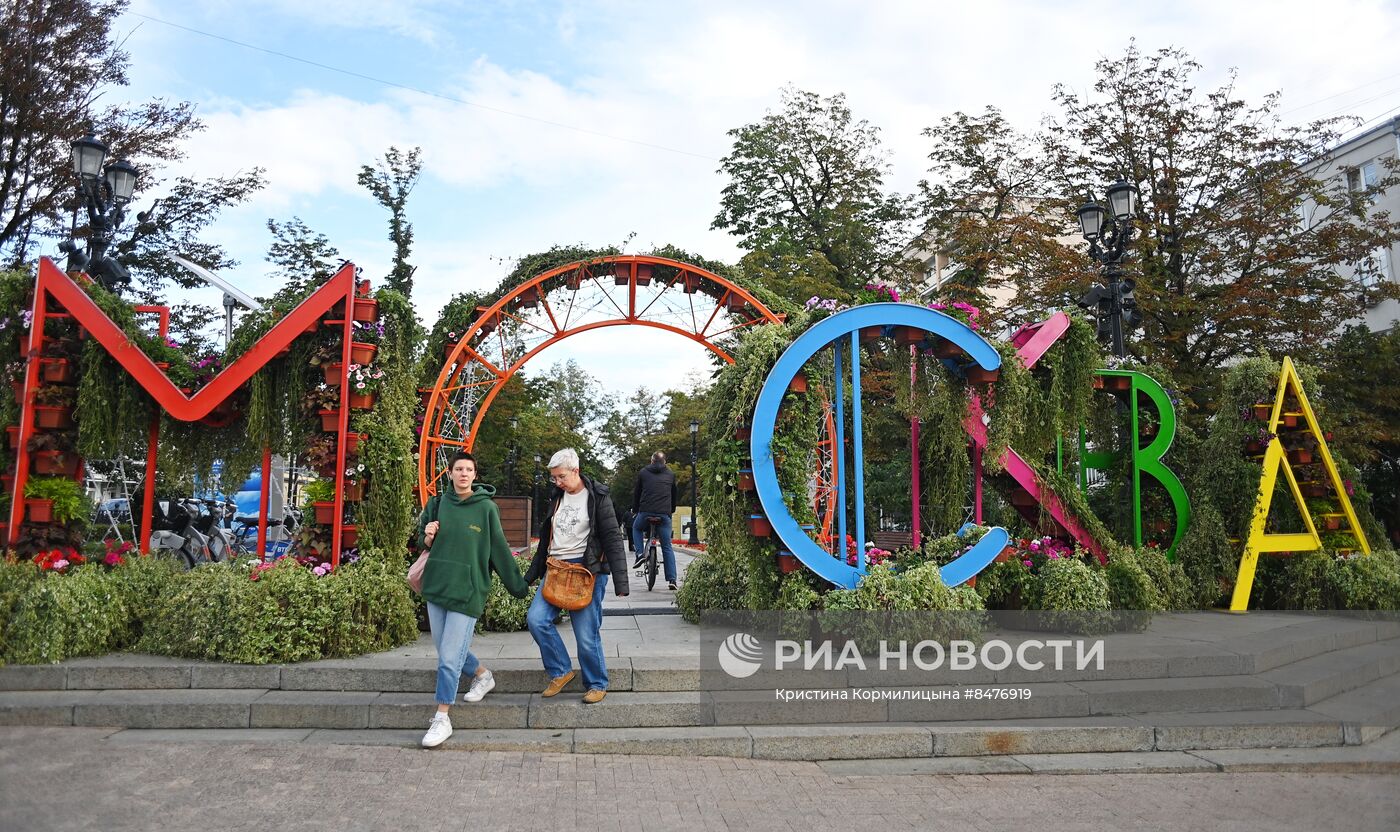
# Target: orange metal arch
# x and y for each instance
(690, 279)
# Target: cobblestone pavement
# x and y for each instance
(71, 779)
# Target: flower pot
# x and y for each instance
(798, 384)
(354, 491)
(1291, 420)
(788, 563)
(18, 387)
(53, 418)
(325, 513)
(1332, 522)
(349, 536)
(946, 349)
(690, 283)
(643, 274)
(362, 401)
(1262, 412)
(759, 525)
(977, 375)
(362, 353)
(622, 273)
(332, 372)
(39, 511)
(13, 431)
(871, 333)
(909, 336)
(448, 349)
(745, 480)
(1114, 384)
(740, 434)
(54, 463)
(330, 421)
(56, 370)
(352, 442)
(1313, 489)
(366, 310)
(574, 280)
(1300, 456)
(734, 303)
(1254, 447)
(311, 328)
(529, 298)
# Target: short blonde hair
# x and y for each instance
(566, 459)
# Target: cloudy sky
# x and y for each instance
(547, 123)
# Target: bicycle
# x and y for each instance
(652, 559)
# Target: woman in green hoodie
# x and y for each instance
(462, 528)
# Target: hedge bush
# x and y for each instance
(504, 612)
(1075, 595)
(215, 611)
(716, 580)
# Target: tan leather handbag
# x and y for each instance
(568, 586)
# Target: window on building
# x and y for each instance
(1363, 176)
(1375, 271)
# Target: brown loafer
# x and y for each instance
(594, 696)
(557, 684)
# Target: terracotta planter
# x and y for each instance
(690, 284)
(622, 273)
(1300, 456)
(1313, 489)
(530, 298)
(366, 310)
(871, 333)
(745, 480)
(349, 536)
(354, 492)
(56, 370)
(788, 563)
(1262, 412)
(1115, 384)
(362, 353)
(798, 384)
(332, 372)
(1254, 448)
(13, 431)
(330, 420)
(39, 511)
(1332, 522)
(352, 442)
(325, 513)
(909, 336)
(448, 349)
(741, 435)
(977, 375)
(946, 349)
(18, 387)
(734, 303)
(1291, 420)
(55, 463)
(53, 418)
(759, 526)
(362, 401)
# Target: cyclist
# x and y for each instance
(655, 496)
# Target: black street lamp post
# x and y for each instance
(1108, 232)
(105, 193)
(694, 506)
(510, 455)
(535, 494)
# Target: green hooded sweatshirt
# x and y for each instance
(468, 546)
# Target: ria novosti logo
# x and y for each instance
(740, 655)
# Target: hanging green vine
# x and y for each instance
(387, 516)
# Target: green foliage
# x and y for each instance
(1009, 585)
(1174, 587)
(386, 518)
(1076, 594)
(716, 580)
(318, 491)
(390, 182)
(1321, 580)
(70, 502)
(914, 606)
(91, 610)
(216, 612)
(1130, 587)
(504, 612)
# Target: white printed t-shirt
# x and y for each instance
(569, 538)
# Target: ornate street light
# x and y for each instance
(1108, 232)
(694, 506)
(105, 193)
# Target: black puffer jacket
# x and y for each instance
(605, 554)
(655, 491)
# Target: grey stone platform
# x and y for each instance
(1192, 681)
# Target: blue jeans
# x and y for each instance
(640, 529)
(588, 624)
(452, 635)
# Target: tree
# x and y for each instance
(988, 207)
(305, 258)
(390, 182)
(1224, 266)
(58, 59)
(805, 196)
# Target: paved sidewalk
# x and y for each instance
(76, 779)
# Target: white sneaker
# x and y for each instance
(481, 685)
(438, 731)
